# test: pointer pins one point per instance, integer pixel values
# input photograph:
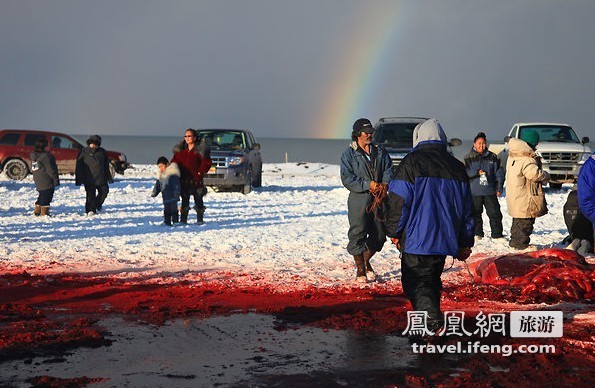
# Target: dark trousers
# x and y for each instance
(96, 195)
(192, 192)
(520, 231)
(492, 209)
(422, 284)
(45, 197)
(365, 231)
(170, 213)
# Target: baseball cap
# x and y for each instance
(363, 125)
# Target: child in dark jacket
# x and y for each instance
(168, 184)
(45, 176)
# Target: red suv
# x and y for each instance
(16, 146)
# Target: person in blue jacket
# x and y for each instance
(365, 168)
(586, 189)
(486, 176)
(429, 217)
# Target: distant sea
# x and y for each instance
(146, 149)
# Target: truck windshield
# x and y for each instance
(223, 140)
(553, 133)
(395, 135)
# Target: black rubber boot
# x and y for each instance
(200, 212)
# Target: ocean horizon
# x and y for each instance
(147, 149)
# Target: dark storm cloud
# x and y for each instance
(156, 67)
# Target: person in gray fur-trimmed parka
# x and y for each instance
(45, 176)
(366, 168)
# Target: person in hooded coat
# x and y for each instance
(45, 176)
(168, 184)
(429, 216)
(92, 171)
(524, 192)
(365, 167)
(586, 189)
(487, 182)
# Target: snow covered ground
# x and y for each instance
(291, 232)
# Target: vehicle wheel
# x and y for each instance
(112, 170)
(247, 188)
(16, 169)
(257, 181)
(555, 186)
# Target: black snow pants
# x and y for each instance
(96, 195)
(422, 284)
(492, 209)
(520, 231)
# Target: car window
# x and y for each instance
(62, 142)
(224, 140)
(552, 133)
(10, 138)
(395, 135)
(31, 138)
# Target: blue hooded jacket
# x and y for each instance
(586, 189)
(429, 202)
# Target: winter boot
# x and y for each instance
(167, 218)
(200, 212)
(184, 214)
(45, 211)
(360, 276)
(174, 218)
(370, 274)
(37, 210)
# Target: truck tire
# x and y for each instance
(16, 169)
(257, 181)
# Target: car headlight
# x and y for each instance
(584, 157)
(236, 160)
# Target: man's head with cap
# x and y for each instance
(359, 126)
(530, 137)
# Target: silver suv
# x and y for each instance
(395, 134)
(237, 164)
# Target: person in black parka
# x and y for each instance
(579, 227)
(92, 171)
(45, 176)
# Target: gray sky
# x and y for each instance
(288, 68)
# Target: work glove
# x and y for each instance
(463, 254)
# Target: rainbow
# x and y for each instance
(351, 89)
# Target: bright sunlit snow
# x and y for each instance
(293, 230)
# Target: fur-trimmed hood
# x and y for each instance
(518, 148)
(170, 170)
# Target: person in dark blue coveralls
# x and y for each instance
(365, 168)
(428, 216)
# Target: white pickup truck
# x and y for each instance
(562, 152)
